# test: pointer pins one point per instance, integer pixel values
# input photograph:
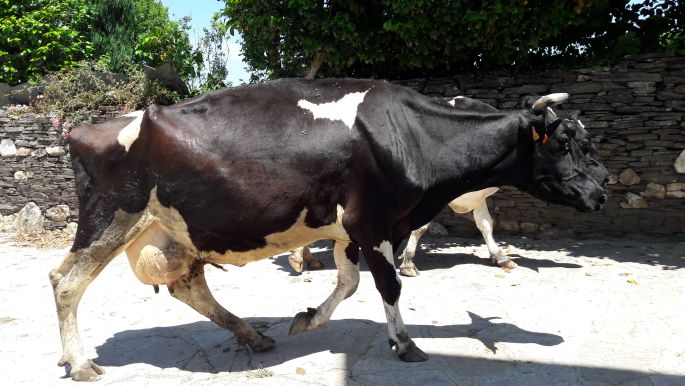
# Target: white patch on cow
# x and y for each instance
(344, 109)
(129, 134)
(453, 100)
(472, 200)
(386, 249)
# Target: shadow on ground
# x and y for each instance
(204, 347)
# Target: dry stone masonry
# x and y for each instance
(35, 174)
(635, 109)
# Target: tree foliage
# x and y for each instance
(37, 36)
(211, 74)
(392, 38)
(128, 32)
(113, 32)
(41, 35)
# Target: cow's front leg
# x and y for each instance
(346, 255)
(79, 268)
(483, 221)
(407, 268)
(193, 291)
(382, 266)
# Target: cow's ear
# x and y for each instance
(539, 106)
(553, 126)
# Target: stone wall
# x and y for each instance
(35, 167)
(635, 109)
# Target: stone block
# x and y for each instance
(55, 151)
(633, 201)
(655, 191)
(628, 177)
(58, 213)
(29, 219)
(679, 163)
(7, 148)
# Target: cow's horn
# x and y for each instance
(549, 100)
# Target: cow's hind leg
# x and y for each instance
(302, 255)
(93, 249)
(481, 216)
(346, 255)
(407, 268)
(193, 291)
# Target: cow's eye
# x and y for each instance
(565, 145)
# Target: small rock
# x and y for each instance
(508, 225)
(7, 148)
(613, 179)
(675, 194)
(22, 175)
(679, 164)
(437, 229)
(29, 219)
(38, 153)
(55, 151)
(527, 227)
(633, 201)
(628, 177)
(71, 228)
(655, 190)
(675, 186)
(7, 223)
(58, 213)
(23, 152)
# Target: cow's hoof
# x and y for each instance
(410, 271)
(87, 372)
(314, 265)
(264, 343)
(501, 260)
(295, 263)
(301, 321)
(507, 264)
(413, 354)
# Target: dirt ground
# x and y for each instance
(575, 312)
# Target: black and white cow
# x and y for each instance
(245, 173)
(471, 202)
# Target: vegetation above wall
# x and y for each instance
(411, 38)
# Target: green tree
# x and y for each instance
(113, 32)
(399, 38)
(211, 74)
(41, 35)
(159, 39)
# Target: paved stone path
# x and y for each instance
(574, 312)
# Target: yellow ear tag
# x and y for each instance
(535, 135)
(545, 138)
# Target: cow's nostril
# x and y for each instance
(603, 199)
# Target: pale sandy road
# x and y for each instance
(568, 315)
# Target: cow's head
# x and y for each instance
(566, 167)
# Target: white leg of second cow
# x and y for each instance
(346, 257)
(481, 216)
(408, 268)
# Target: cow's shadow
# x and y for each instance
(205, 347)
(424, 259)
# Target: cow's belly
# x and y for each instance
(469, 201)
(299, 234)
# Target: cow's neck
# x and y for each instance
(489, 150)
